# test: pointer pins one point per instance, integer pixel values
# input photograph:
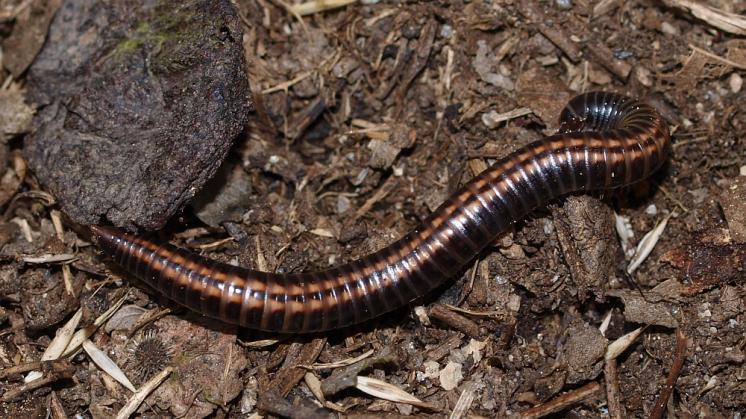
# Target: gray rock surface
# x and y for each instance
(139, 104)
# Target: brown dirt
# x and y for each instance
(367, 117)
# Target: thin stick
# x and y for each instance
(562, 402)
(31, 366)
(611, 377)
(60, 371)
(673, 375)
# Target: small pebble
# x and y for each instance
(390, 51)
(514, 303)
(644, 76)
(446, 31)
(547, 60)
(736, 82)
(450, 376)
(651, 210)
(622, 54)
(669, 29)
(742, 170)
(564, 4)
(411, 31)
(343, 204)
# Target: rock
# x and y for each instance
(450, 376)
(139, 104)
(226, 197)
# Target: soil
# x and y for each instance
(366, 117)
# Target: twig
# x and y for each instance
(381, 193)
(287, 84)
(606, 58)
(56, 409)
(562, 402)
(554, 34)
(147, 318)
(673, 375)
(611, 377)
(454, 320)
(142, 393)
(30, 366)
(60, 370)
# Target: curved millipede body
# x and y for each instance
(605, 141)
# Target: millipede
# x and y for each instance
(605, 141)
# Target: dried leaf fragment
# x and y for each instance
(316, 6)
(647, 244)
(103, 361)
(58, 344)
(390, 392)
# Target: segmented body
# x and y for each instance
(605, 141)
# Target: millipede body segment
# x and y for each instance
(605, 141)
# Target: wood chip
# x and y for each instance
(292, 373)
(728, 22)
(450, 376)
(454, 320)
(314, 384)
